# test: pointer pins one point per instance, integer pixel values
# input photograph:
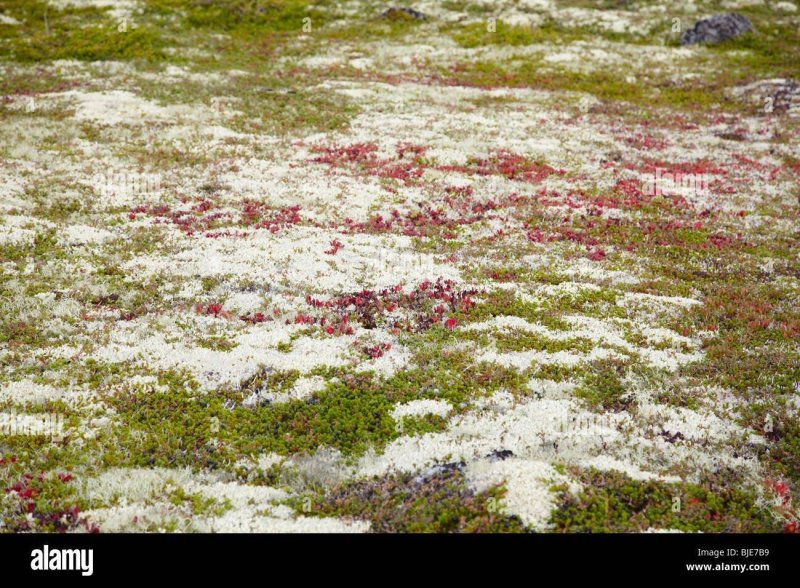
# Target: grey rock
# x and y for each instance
(716, 29)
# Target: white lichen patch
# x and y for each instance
(135, 341)
(417, 408)
(24, 392)
(607, 337)
(117, 9)
(294, 258)
(146, 500)
(8, 20)
(527, 486)
(124, 108)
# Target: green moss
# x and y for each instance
(371, 28)
(752, 324)
(558, 372)
(610, 502)
(604, 84)
(217, 343)
(786, 455)
(269, 379)
(549, 312)
(266, 101)
(180, 427)
(454, 376)
(520, 340)
(255, 476)
(45, 247)
(241, 15)
(15, 332)
(506, 303)
(199, 504)
(74, 33)
(420, 425)
(773, 51)
(602, 387)
(549, 32)
(294, 111)
(672, 391)
(52, 205)
(163, 155)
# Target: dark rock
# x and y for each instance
(500, 455)
(716, 29)
(403, 12)
(672, 438)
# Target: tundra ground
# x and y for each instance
(297, 266)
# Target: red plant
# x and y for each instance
(646, 142)
(785, 508)
(40, 505)
(263, 216)
(597, 254)
(364, 156)
(510, 165)
(254, 319)
(415, 150)
(188, 221)
(336, 155)
(420, 308)
(464, 191)
(212, 309)
(377, 351)
(335, 246)
(303, 319)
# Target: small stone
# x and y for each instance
(716, 29)
(500, 455)
(399, 12)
